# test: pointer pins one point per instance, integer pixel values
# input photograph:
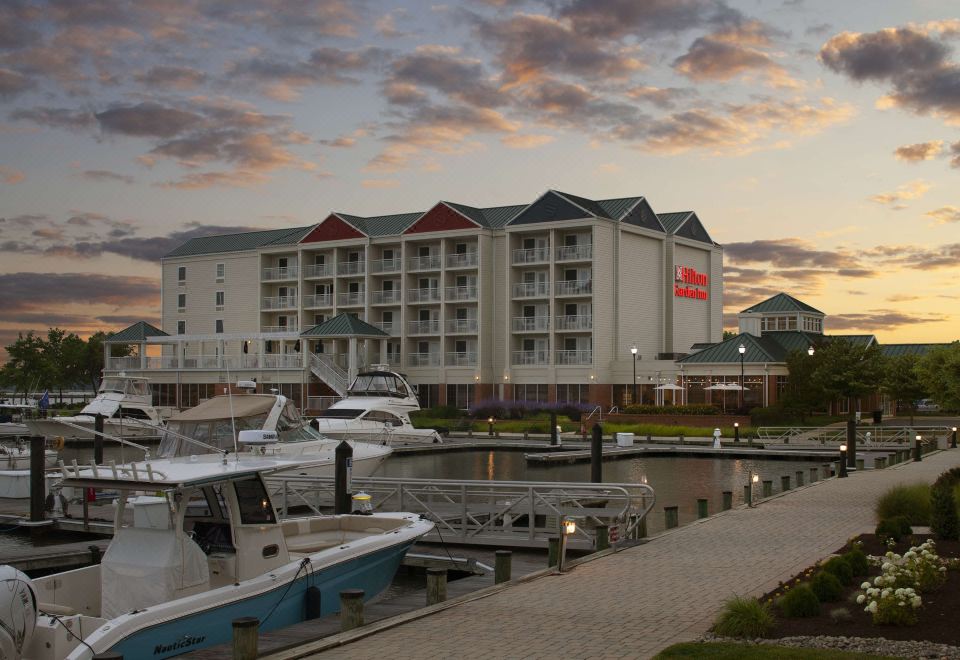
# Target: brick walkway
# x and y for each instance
(636, 602)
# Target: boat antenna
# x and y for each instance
(233, 421)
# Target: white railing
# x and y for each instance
(163, 362)
(124, 363)
(201, 362)
(281, 361)
(423, 359)
(286, 273)
(430, 327)
(388, 326)
(321, 402)
(431, 262)
(386, 296)
(574, 287)
(318, 270)
(290, 327)
(575, 357)
(423, 295)
(584, 322)
(531, 323)
(867, 434)
(386, 266)
(455, 326)
(318, 300)
(575, 252)
(463, 260)
(530, 357)
(531, 289)
(326, 369)
(280, 302)
(467, 359)
(350, 268)
(531, 256)
(461, 292)
(349, 299)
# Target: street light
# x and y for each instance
(810, 351)
(953, 442)
(633, 349)
(742, 349)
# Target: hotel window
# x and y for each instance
(219, 301)
(460, 396)
(423, 251)
(424, 315)
(282, 321)
(182, 274)
(181, 327)
(218, 326)
(423, 347)
(573, 393)
(570, 240)
(319, 259)
(318, 319)
(530, 393)
(221, 272)
(460, 346)
(181, 301)
(460, 248)
(388, 254)
(282, 262)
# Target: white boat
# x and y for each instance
(119, 399)
(11, 419)
(378, 405)
(207, 550)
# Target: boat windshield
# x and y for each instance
(341, 413)
(291, 427)
(125, 386)
(378, 384)
(216, 432)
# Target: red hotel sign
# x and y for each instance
(685, 281)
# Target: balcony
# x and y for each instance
(274, 274)
(163, 362)
(281, 361)
(530, 358)
(279, 302)
(386, 266)
(423, 360)
(318, 300)
(318, 270)
(454, 293)
(121, 363)
(431, 262)
(386, 297)
(575, 357)
(574, 287)
(461, 326)
(540, 255)
(463, 260)
(575, 252)
(201, 362)
(350, 299)
(423, 295)
(391, 328)
(351, 268)
(531, 323)
(290, 327)
(574, 323)
(466, 359)
(531, 289)
(431, 327)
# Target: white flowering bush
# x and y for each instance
(893, 597)
(890, 606)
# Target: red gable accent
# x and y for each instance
(440, 218)
(331, 229)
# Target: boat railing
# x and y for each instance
(498, 513)
(867, 435)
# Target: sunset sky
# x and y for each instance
(819, 141)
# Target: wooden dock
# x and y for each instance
(640, 451)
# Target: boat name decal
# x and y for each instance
(179, 644)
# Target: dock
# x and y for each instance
(613, 453)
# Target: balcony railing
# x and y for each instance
(318, 300)
(391, 328)
(538, 358)
(575, 252)
(467, 359)
(575, 357)
(281, 361)
(531, 289)
(423, 360)
(285, 273)
(574, 287)
(386, 266)
(460, 326)
(318, 270)
(351, 268)
(162, 362)
(461, 293)
(350, 299)
(575, 322)
(423, 295)
(280, 302)
(537, 255)
(290, 327)
(431, 327)
(531, 323)
(201, 362)
(386, 297)
(127, 363)
(463, 260)
(431, 262)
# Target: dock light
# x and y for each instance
(569, 526)
(953, 442)
(918, 449)
(754, 480)
(489, 425)
(810, 351)
(633, 350)
(362, 504)
(843, 461)
(736, 431)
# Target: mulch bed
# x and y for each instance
(937, 616)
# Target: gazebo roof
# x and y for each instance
(344, 325)
(139, 331)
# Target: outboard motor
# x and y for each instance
(18, 612)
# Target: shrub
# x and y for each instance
(911, 501)
(857, 561)
(799, 602)
(840, 615)
(744, 617)
(839, 567)
(944, 522)
(771, 415)
(893, 528)
(691, 409)
(826, 587)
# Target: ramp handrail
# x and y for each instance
(866, 434)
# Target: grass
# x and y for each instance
(733, 651)
(909, 500)
(744, 617)
(542, 425)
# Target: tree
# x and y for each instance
(92, 368)
(25, 365)
(846, 370)
(939, 371)
(802, 396)
(728, 334)
(902, 381)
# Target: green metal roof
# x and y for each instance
(781, 303)
(857, 340)
(344, 325)
(896, 350)
(672, 221)
(248, 240)
(139, 331)
(382, 225)
(759, 349)
(617, 208)
(498, 216)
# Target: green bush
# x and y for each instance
(894, 528)
(944, 522)
(912, 501)
(691, 409)
(826, 587)
(839, 567)
(770, 416)
(799, 602)
(744, 617)
(857, 561)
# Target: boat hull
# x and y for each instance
(375, 433)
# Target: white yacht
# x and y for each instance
(119, 399)
(377, 407)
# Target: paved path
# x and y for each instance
(636, 602)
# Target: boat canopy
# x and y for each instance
(379, 383)
(219, 407)
(125, 385)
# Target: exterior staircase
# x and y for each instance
(328, 371)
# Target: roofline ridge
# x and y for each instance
(580, 206)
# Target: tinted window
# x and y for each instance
(255, 507)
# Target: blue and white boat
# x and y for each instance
(206, 549)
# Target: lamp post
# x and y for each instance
(489, 425)
(742, 349)
(843, 461)
(633, 349)
(918, 448)
(754, 480)
(953, 442)
(810, 351)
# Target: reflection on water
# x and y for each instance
(677, 481)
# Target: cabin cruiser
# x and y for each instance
(377, 405)
(120, 399)
(12, 416)
(207, 549)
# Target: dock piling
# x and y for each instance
(553, 551)
(596, 455)
(436, 585)
(98, 438)
(603, 537)
(702, 507)
(343, 472)
(245, 632)
(37, 485)
(671, 517)
(502, 566)
(351, 609)
(554, 437)
(727, 500)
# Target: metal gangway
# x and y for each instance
(500, 513)
(881, 437)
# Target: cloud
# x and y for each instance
(147, 119)
(614, 19)
(955, 152)
(528, 141)
(379, 183)
(10, 175)
(106, 176)
(386, 25)
(914, 153)
(664, 98)
(945, 215)
(181, 78)
(36, 292)
(880, 319)
(12, 83)
(56, 117)
(788, 253)
(911, 190)
(447, 71)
